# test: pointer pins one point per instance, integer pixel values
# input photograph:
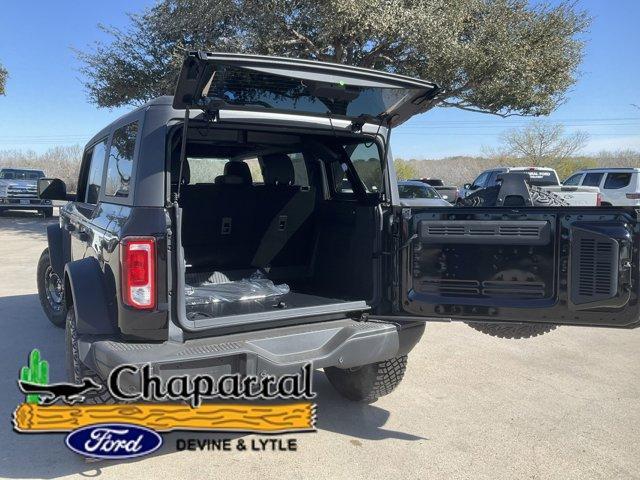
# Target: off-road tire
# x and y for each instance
(488, 197)
(513, 331)
(57, 314)
(369, 382)
(77, 371)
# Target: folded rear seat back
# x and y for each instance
(283, 224)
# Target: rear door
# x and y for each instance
(214, 81)
(559, 265)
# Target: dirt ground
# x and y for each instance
(565, 405)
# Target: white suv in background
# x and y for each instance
(618, 186)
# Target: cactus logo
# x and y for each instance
(34, 383)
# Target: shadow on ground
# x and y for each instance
(45, 455)
(25, 223)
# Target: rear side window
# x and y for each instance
(592, 179)
(366, 161)
(617, 180)
(573, 180)
(120, 163)
(94, 176)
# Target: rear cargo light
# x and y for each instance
(138, 260)
(633, 196)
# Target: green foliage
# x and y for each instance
(569, 165)
(37, 372)
(3, 79)
(497, 56)
(405, 170)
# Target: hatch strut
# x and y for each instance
(183, 150)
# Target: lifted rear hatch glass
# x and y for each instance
(250, 82)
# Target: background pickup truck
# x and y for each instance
(19, 191)
(447, 192)
(542, 177)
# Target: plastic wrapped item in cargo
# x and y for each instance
(253, 288)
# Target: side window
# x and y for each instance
(617, 180)
(94, 173)
(592, 179)
(480, 181)
(573, 180)
(120, 163)
(205, 170)
(255, 169)
(341, 183)
(366, 161)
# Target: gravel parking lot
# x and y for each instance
(565, 405)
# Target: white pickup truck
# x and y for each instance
(542, 177)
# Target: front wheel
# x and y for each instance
(51, 291)
(369, 382)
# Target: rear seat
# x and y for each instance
(284, 223)
(218, 218)
(231, 225)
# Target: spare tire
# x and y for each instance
(488, 197)
(513, 330)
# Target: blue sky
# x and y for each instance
(46, 104)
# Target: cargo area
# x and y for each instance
(271, 225)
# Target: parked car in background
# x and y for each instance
(19, 191)
(414, 193)
(618, 186)
(447, 192)
(542, 177)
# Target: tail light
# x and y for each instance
(138, 260)
(599, 200)
(633, 196)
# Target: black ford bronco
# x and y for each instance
(251, 223)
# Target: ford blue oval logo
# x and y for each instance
(113, 440)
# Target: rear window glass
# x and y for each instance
(617, 180)
(120, 163)
(416, 191)
(240, 86)
(592, 179)
(541, 178)
(21, 174)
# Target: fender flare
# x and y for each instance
(84, 288)
(59, 248)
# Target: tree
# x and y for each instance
(543, 143)
(497, 56)
(404, 169)
(3, 79)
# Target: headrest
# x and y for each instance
(278, 169)
(175, 172)
(235, 173)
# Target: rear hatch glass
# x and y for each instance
(251, 82)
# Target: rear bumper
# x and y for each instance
(342, 343)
